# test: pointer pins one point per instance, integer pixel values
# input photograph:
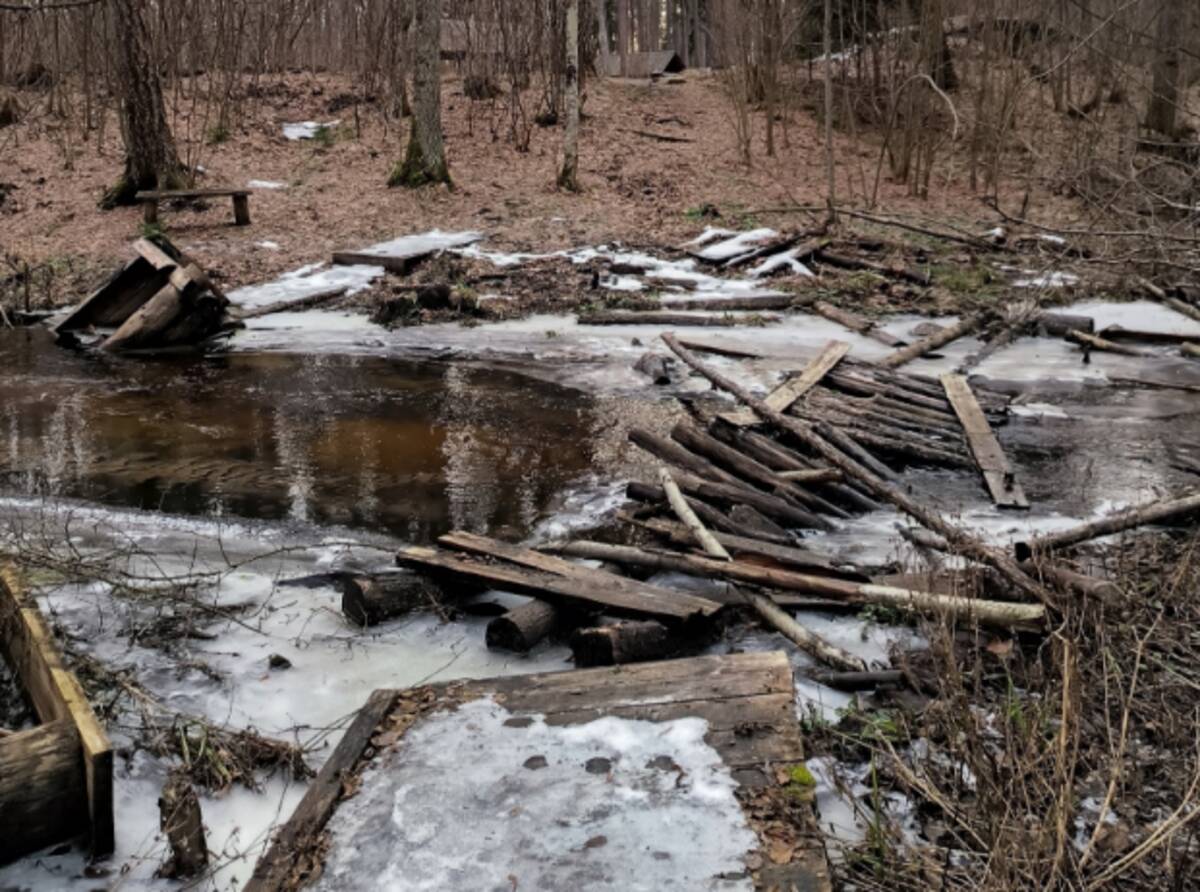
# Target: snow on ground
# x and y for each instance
(265, 184)
(467, 802)
(306, 129)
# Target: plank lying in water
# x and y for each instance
(605, 591)
(782, 397)
(747, 701)
(627, 317)
(989, 456)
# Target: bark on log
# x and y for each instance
(181, 821)
(814, 439)
(772, 506)
(1095, 342)
(618, 317)
(1119, 522)
(756, 304)
(652, 494)
(621, 643)
(997, 613)
(855, 323)
(756, 521)
(860, 681)
(933, 342)
(684, 512)
(521, 628)
(675, 454)
(144, 327)
(1190, 350)
(1059, 324)
(371, 600)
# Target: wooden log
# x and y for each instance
(887, 438)
(889, 394)
(721, 350)
(620, 600)
(293, 306)
(1095, 342)
(1182, 307)
(993, 464)
(401, 264)
(850, 447)
(791, 390)
(371, 600)
(855, 323)
(815, 475)
(522, 628)
(857, 263)
(860, 681)
(143, 327)
(180, 820)
(772, 506)
(777, 618)
(757, 521)
(1119, 522)
(654, 495)
(1059, 324)
(749, 470)
(1191, 351)
(118, 298)
(814, 438)
(42, 788)
(755, 304)
(675, 454)
(619, 317)
(654, 367)
(754, 550)
(933, 342)
(998, 613)
(621, 643)
(1101, 590)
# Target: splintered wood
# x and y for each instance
(746, 700)
(989, 456)
(782, 397)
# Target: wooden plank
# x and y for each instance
(167, 194)
(574, 591)
(42, 789)
(782, 397)
(290, 855)
(989, 456)
(400, 264)
(118, 298)
(57, 695)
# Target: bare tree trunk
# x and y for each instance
(425, 160)
(934, 46)
(1164, 99)
(602, 34)
(831, 185)
(151, 160)
(568, 177)
(623, 35)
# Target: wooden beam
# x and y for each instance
(42, 789)
(56, 695)
(989, 456)
(782, 397)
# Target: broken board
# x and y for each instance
(745, 702)
(55, 778)
(989, 456)
(782, 397)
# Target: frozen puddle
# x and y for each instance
(468, 802)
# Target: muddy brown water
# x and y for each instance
(410, 449)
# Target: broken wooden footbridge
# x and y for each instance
(740, 706)
(56, 781)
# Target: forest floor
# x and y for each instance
(329, 194)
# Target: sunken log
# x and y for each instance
(620, 317)
(654, 495)
(42, 789)
(521, 628)
(933, 342)
(1060, 324)
(654, 367)
(623, 642)
(998, 613)
(371, 600)
(815, 439)
(1119, 522)
(180, 820)
(675, 454)
(749, 470)
(1095, 342)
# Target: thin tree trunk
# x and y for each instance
(601, 7)
(1164, 100)
(425, 160)
(831, 186)
(151, 159)
(568, 177)
(623, 35)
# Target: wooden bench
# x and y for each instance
(241, 201)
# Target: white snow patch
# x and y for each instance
(266, 184)
(1052, 279)
(268, 245)
(740, 244)
(785, 259)
(710, 233)
(306, 129)
(643, 822)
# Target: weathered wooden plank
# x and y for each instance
(400, 264)
(42, 789)
(289, 860)
(989, 456)
(573, 590)
(56, 695)
(118, 298)
(782, 397)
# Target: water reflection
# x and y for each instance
(410, 449)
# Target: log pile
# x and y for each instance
(160, 300)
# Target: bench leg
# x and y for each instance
(241, 210)
(150, 212)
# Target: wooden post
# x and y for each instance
(180, 819)
(241, 209)
(150, 211)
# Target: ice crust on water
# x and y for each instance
(455, 807)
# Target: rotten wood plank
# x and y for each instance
(989, 455)
(782, 397)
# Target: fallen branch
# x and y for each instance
(931, 343)
(292, 306)
(1119, 522)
